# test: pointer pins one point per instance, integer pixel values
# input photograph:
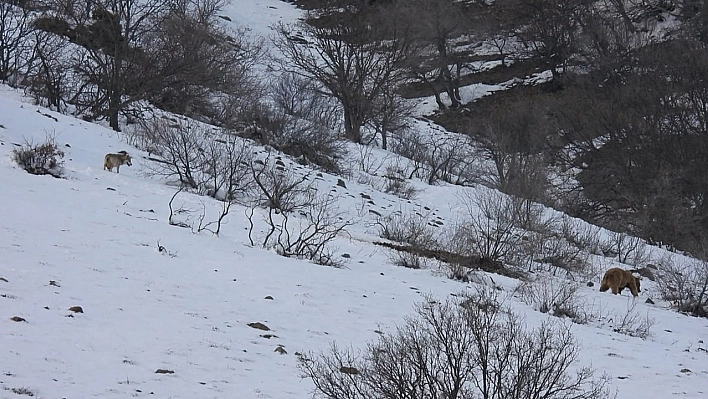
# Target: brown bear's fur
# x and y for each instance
(619, 279)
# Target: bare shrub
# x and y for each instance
(581, 234)
(179, 145)
(303, 123)
(630, 322)
(627, 249)
(438, 156)
(281, 189)
(684, 285)
(412, 228)
(209, 160)
(457, 350)
(225, 165)
(555, 297)
(398, 185)
(490, 227)
(40, 159)
(552, 252)
(306, 234)
(408, 259)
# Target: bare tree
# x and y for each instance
(175, 54)
(110, 31)
(514, 143)
(47, 79)
(436, 24)
(355, 57)
(195, 66)
(15, 41)
(552, 34)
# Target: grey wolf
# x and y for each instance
(111, 161)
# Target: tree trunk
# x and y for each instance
(352, 127)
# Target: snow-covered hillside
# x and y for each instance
(159, 297)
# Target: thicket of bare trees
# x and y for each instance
(103, 56)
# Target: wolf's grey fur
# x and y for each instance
(111, 161)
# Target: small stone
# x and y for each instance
(54, 283)
(259, 326)
(76, 309)
(345, 255)
(685, 371)
(591, 284)
(164, 371)
(281, 350)
(649, 301)
(270, 298)
(341, 183)
(18, 319)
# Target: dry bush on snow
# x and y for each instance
(630, 322)
(208, 160)
(302, 123)
(555, 297)
(438, 157)
(684, 285)
(279, 188)
(413, 229)
(627, 249)
(471, 348)
(551, 252)
(490, 227)
(40, 159)
(396, 184)
(408, 259)
(305, 234)
(178, 145)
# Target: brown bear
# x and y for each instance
(619, 279)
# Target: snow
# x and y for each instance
(91, 240)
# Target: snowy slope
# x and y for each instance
(95, 235)
(91, 240)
